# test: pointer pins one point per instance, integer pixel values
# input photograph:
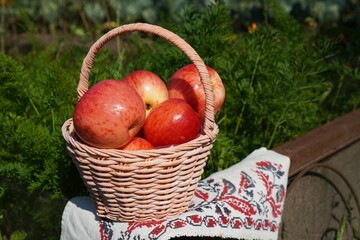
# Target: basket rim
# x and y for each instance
(179, 150)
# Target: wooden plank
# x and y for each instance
(321, 142)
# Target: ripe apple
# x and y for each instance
(171, 122)
(109, 114)
(137, 143)
(150, 86)
(185, 83)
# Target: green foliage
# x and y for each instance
(280, 80)
(30, 120)
(37, 95)
(17, 235)
(280, 85)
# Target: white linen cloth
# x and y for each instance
(244, 201)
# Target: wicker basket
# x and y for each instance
(150, 184)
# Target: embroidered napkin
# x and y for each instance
(244, 201)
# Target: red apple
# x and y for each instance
(137, 143)
(150, 86)
(185, 83)
(109, 114)
(171, 122)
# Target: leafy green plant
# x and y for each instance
(17, 235)
(34, 103)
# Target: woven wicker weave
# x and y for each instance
(150, 184)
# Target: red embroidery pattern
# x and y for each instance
(103, 236)
(254, 203)
(133, 225)
(202, 195)
(238, 204)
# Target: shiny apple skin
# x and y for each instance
(109, 114)
(171, 122)
(186, 84)
(150, 86)
(137, 143)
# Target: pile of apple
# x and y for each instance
(142, 112)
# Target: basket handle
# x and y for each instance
(209, 123)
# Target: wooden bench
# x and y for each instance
(324, 174)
